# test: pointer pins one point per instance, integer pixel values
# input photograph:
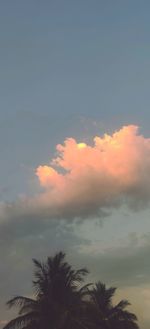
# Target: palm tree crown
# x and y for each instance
(58, 296)
(61, 301)
(102, 313)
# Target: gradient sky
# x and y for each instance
(71, 69)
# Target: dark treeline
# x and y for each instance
(62, 301)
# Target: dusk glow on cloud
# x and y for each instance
(89, 181)
(83, 179)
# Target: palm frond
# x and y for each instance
(123, 304)
(20, 301)
(21, 321)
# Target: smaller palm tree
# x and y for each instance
(103, 315)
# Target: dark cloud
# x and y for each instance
(125, 265)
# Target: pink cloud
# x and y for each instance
(84, 179)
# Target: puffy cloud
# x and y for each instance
(84, 180)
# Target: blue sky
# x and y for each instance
(62, 61)
(70, 68)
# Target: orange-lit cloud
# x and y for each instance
(83, 179)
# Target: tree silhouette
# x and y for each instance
(58, 297)
(61, 301)
(103, 315)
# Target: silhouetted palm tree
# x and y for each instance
(61, 302)
(103, 315)
(58, 298)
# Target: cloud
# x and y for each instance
(123, 265)
(86, 181)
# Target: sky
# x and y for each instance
(75, 143)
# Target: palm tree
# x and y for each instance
(58, 298)
(103, 315)
(61, 301)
